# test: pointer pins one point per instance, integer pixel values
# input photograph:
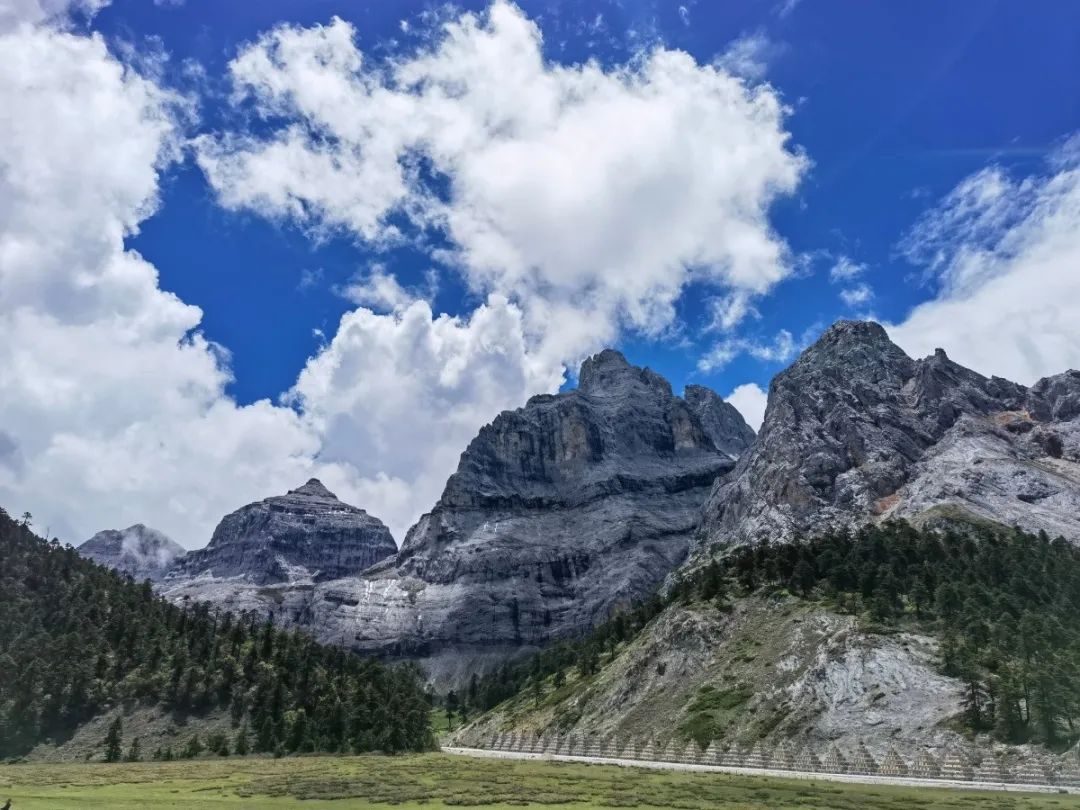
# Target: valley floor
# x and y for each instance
(440, 780)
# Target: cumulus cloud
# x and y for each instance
(750, 400)
(398, 397)
(575, 202)
(1003, 252)
(111, 398)
(588, 197)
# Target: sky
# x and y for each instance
(244, 244)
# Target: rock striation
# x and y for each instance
(304, 535)
(558, 512)
(856, 430)
(138, 550)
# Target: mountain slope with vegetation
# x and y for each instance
(892, 634)
(78, 640)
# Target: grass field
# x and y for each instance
(437, 780)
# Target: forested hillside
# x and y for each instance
(77, 639)
(1003, 605)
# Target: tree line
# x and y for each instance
(77, 639)
(1003, 604)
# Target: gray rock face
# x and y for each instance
(721, 420)
(307, 534)
(138, 550)
(558, 512)
(857, 430)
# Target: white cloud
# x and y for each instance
(858, 295)
(749, 55)
(577, 202)
(14, 13)
(780, 350)
(1005, 253)
(379, 289)
(398, 397)
(749, 399)
(786, 7)
(845, 270)
(111, 402)
(589, 197)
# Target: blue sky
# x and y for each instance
(245, 243)
(893, 103)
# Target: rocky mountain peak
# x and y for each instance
(314, 489)
(856, 430)
(138, 550)
(610, 374)
(853, 350)
(306, 534)
(1057, 397)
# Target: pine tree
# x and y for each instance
(193, 748)
(134, 754)
(241, 745)
(114, 741)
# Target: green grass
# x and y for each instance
(438, 781)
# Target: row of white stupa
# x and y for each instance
(951, 765)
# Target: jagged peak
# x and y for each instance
(862, 348)
(314, 488)
(845, 331)
(609, 370)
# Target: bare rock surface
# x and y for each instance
(558, 513)
(770, 669)
(721, 420)
(138, 550)
(856, 430)
(304, 535)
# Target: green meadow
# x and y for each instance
(441, 780)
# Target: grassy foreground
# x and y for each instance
(438, 780)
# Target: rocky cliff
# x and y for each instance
(304, 535)
(856, 430)
(138, 550)
(722, 423)
(558, 512)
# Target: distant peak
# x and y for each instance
(314, 489)
(850, 339)
(609, 370)
(855, 331)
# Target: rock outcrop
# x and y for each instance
(305, 535)
(721, 420)
(138, 550)
(856, 430)
(558, 512)
(768, 669)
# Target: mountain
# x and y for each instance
(138, 550)
(857, 577)
(85, 651)
(856, 430)
(306, 534)
(559, 512)
(892, 638)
